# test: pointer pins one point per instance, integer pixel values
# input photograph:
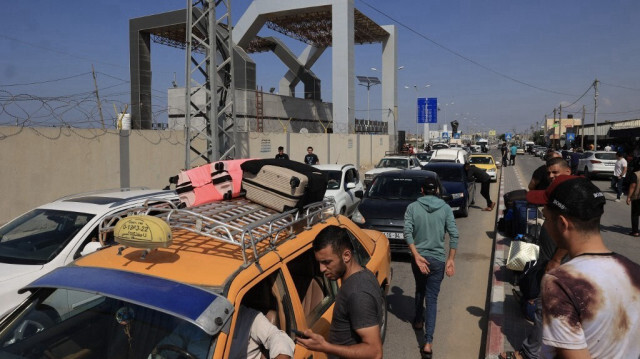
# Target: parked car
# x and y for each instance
(454, 179)
(455, 155)
(439, 146)
(485, 162)
(424, 157)
(596, 163)
(391, 163)
(385, 202)
(56, 233)
(343, 186)
(184, 300)
(520, 151)
(540, 151)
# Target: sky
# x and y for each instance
(494, 64)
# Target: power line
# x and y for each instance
(46, 81)
(462, 56)
(622, 87)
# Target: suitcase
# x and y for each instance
(525, 219)
(228, 171)
(275, 187)
(317, 180)
(517, 195)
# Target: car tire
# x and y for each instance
(464, 212)
(384, 325)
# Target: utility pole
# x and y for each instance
(554, 128)
(560, 125)
(95, 84)
(582, 136)
(595, 115)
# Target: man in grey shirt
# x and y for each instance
(357, 314)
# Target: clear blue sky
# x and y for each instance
(503, 63)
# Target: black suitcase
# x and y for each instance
(517, 195)
(316, 179)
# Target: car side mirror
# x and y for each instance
(359, 194)
(90, 248)
(351, 185)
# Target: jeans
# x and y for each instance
(635, 215)
(428, 287)
(531, 344)
(617, 184)
(505, 160)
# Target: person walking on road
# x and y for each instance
(619, 171)
(504, 151)
(514, 152)
(633, 199)
(357, 313)
(484, 179)
(588, 302)
(281, 155)
(425, 223)
(311, 158)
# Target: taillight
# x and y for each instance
(595, 161)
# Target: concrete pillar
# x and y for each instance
(390, 83)
(307, 59)
(343, 77)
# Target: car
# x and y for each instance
(597, 163)
(385, 202)
(461, 188)
(520, 151)
(56, 233)
(424, 157)
(475, 148)
(540, 151)
(177, 281)
(455, 155)
(343, 186)
(487, 163)
(439, 146)
(391, 163)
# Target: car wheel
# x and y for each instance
(383, 325)
(464, 211)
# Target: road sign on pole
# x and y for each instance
(432, 110)
(571, 136)
(422, 113)
(445, 134)
(508, 136)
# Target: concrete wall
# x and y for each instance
(40, 165)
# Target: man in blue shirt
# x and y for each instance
(514, 152)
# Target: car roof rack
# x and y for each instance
(238, 222)
(102, 191)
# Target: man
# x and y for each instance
(619, 171)
(590, 303)
(281, 155)
(504, 151)
(514, 152)
(633, 199)
(357, 313)
(311, 158)
(484, 179)
(540, 178)
(575, 160)
(425, 223)
(550, 257)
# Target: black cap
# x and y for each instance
(573, 196)
(430, 185)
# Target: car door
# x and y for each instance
(352, 176)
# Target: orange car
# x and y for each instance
(187, 268)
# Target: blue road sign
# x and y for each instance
(432, 110)
(507, 136)
(445, 135)
(571, 136)
(456, 135)
(422, 113)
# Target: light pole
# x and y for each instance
(368, 81)
(417, 123)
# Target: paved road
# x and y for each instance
(462, 314)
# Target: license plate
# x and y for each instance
(394, 235)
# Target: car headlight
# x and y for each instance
(357, 217)
(457, 195)
(491, 170)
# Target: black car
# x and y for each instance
(386, 201)
(454, 179)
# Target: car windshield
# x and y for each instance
(334, 179)
(480, 160)
(606, 156)
(447, 174)
(396, 188)
(62, 323)
(393, 162)
(38, 236)
(424, 156)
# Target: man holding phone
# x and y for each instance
(357, 314)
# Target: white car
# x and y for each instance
(343, 186)
(593, 163)
(54, 234)
(424, 157)
(455, 155)
(392, 163)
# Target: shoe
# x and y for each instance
(511, 355)
(617, 200)
(425, 355)
(634, 234)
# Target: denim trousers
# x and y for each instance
(616, 183)
(428, 287)
(531, 345)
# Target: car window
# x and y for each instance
(356, 176)
(315, 291)
(334, 179)
(448, 174)
(361, 253)
(480, 160)
(396, 187)
(38, 236)
(392, 162)
(348, 176)
(606, 156)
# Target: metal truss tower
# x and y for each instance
(209, 76)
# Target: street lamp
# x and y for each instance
(368, 81)
(417, 123)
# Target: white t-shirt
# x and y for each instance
(620, 165)
(593, 302)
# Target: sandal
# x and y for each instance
(634, 234)
(512, 355)
(425, 354)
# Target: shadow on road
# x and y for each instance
(615, 228)
(402, 307)
(480, 313)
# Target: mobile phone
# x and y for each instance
(299, 334)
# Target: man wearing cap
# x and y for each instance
(425, 223)
(590, 303)
(540, 178)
